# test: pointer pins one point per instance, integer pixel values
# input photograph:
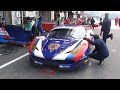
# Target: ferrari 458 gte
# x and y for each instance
(63, 47)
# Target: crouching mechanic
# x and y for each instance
(101, 51)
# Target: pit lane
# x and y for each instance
(21, 69)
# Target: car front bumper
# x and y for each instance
(61, 66)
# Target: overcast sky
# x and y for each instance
(101, 12)
(105, 11)
(113, 14)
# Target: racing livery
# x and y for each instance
(63, 47)
(4, 36)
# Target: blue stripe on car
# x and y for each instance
(70, 57)
(36, 42)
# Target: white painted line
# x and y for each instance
(8, 63)
(113, 50)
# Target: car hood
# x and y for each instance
(57, 49)
(53, 47)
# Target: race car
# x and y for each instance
(63, 47)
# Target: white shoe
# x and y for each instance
(102, 62)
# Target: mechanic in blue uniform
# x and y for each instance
(101, 51)
(106, 28)
(39, 26)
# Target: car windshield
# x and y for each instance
(67, 33)
(78, 33)
(59, 33)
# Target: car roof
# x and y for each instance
(70, 27)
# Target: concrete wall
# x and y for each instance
(52, 15)
(46, 15)
(8, 17)
(1, 13)
(16, 17)
(49, 15)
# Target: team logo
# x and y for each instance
(54, 46)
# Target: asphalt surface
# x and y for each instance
(21, 69)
